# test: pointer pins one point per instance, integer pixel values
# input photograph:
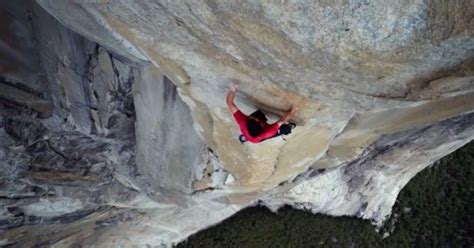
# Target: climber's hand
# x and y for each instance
(234, 87)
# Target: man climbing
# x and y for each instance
(255, 128)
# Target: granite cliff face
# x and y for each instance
(114, 128)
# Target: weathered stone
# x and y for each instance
(168, 148)
(384, 90)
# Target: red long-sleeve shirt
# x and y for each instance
(269, 130)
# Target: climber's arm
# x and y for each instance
(230, 99)
(286, 117)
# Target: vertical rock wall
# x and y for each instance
(89, 87)
(114, 121)
(168, 148)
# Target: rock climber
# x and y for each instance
(254, 127)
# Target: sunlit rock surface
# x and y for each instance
(114, 128)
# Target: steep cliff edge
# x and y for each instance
(121, 121)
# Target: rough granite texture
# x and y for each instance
(114, 129)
